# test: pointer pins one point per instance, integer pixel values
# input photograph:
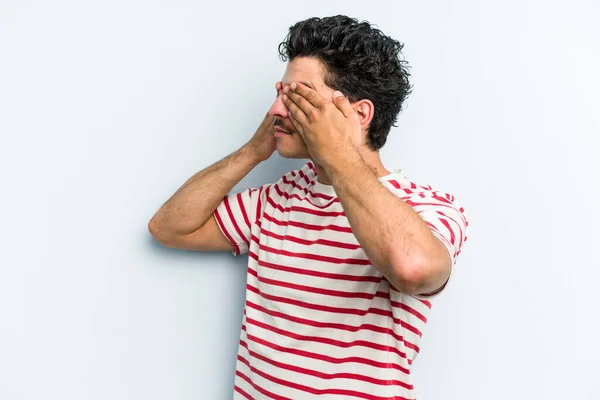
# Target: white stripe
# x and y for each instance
(324, 367)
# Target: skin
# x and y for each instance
(332, 132)
(311, 71)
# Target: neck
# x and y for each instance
(371, 159)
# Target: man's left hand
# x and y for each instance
(330, 128)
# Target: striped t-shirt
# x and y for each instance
(319, 319)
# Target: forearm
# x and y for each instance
(394, 237)
(195, 201)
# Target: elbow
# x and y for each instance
(152, 228)
(408, 278)
(419, 275)
(158, 232)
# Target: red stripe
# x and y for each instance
(259, 205)
(305, 177)
(327, 376)
(309, 256)
(331, 342)
(339, 310)
(409, 309)
(402, 306)
(327, 275)
(323, 242)
(333, 325)
(310, 184)
(305, 198)
(313, 390)
(241, 204)
(325, 358)
(419, 204)
(242, 392)
(311, 227)
(234, 222)
(305, 189)
(394, 184)
(436, 230)
(412, 185)
(450, 218)
(447, 225)
(440, 236)
(295, 185)
(459, 227)
(304, 210)
(311, 289)
(254, 385)
(440, 198)
(426, 302)
(226, 232)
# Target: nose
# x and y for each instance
(279, 109)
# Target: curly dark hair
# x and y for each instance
(360, 61)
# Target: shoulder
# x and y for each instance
(420, 195)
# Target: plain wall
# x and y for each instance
(106, 108)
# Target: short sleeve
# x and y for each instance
(447, 221)
(236, 215)
(444, 216)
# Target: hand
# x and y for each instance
(330, 128)
(263, 143)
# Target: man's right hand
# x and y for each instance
(263, 143)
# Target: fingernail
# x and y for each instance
(337, 93)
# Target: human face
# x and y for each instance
(309, 71)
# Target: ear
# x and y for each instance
(365, 110)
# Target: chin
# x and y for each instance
(288, 149)
(294, 156)
(288, 153)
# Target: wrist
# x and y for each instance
(342, 162)
(250, 153)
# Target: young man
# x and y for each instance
(343, 253)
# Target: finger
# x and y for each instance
(295, 110)
(310, 95)
(297, 125)
(278, 88)
(292, 99)
(343, 104)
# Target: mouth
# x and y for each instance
(281, 131)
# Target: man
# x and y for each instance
(343, 253)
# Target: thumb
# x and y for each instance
(342, 103)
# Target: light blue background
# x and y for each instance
(106, 108)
